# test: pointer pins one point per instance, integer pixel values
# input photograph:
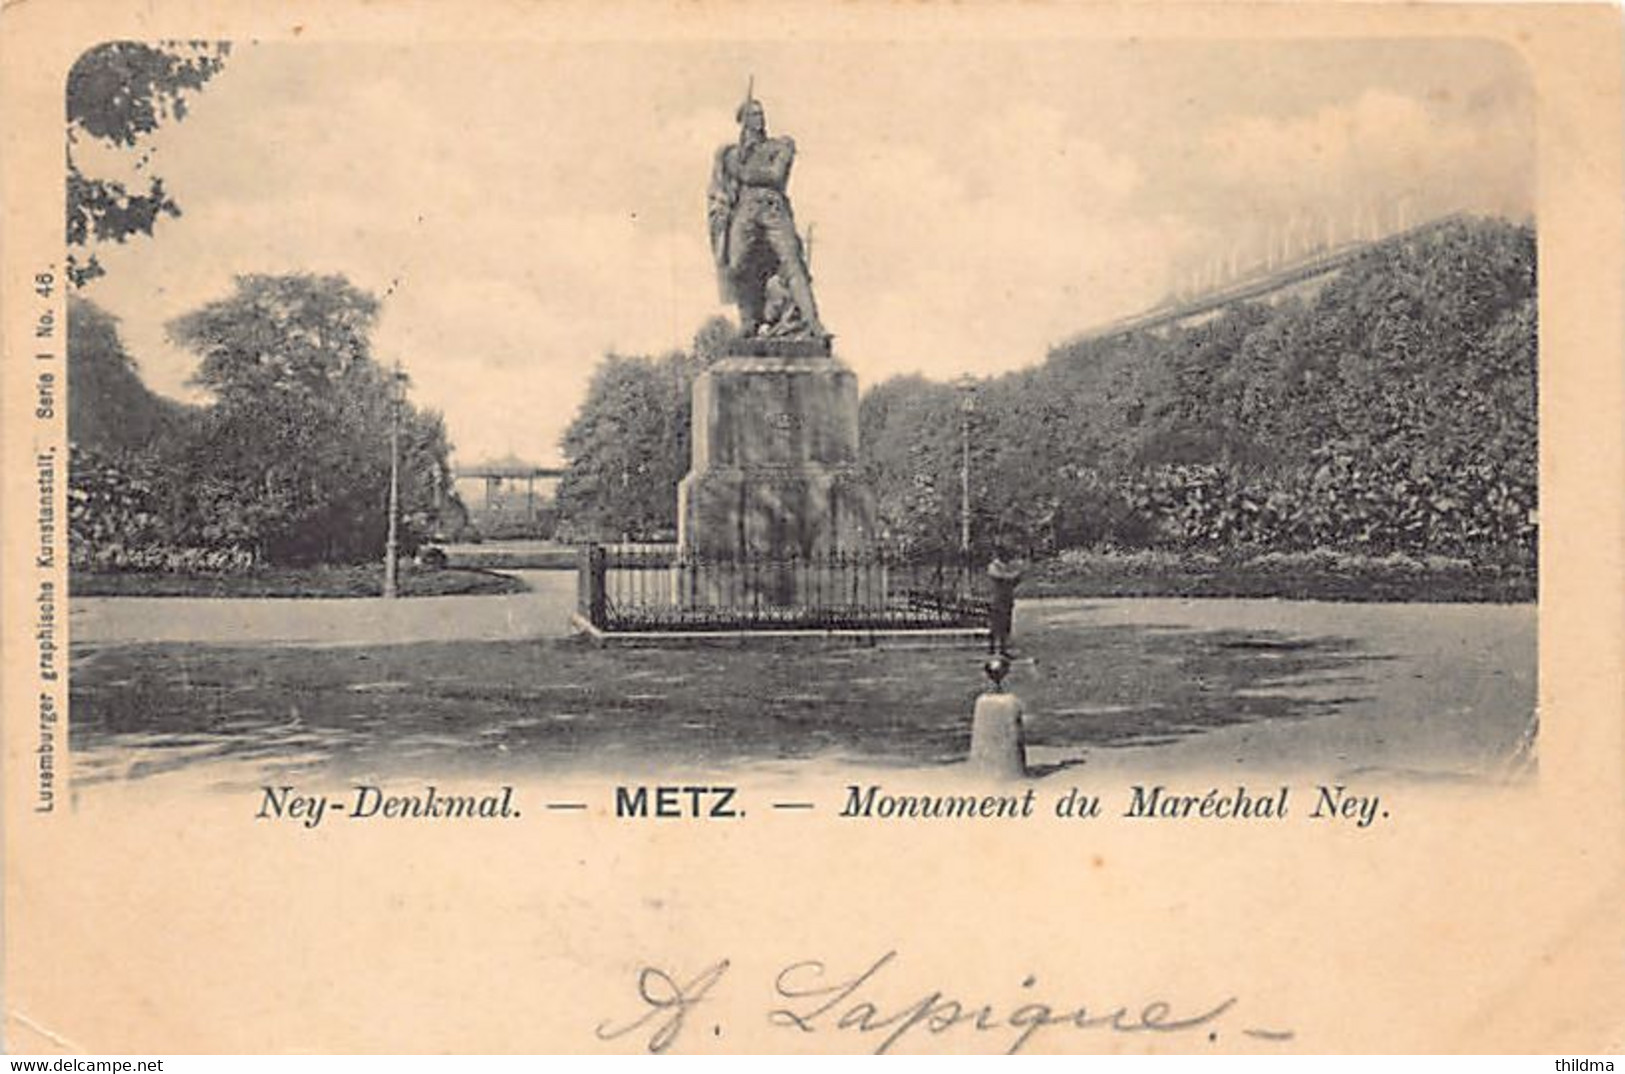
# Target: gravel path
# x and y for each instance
(1233, 687)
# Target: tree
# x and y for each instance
(908, 428)
(296, 335)
(118, 93)
(109, 408)
(1393, 409)
(711, 341)
(292, 460)
(628, 447)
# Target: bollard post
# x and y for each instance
(998, 749)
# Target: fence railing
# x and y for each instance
(642, 589)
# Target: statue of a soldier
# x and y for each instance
(753, 234)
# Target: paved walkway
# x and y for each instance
(543, 612)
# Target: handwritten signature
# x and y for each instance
(809, 998)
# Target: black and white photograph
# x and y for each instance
(454, 408)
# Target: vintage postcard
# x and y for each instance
(709, 528)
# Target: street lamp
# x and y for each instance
(392, 533)
(967, 406)
(392, 536)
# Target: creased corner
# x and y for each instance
(58, 1040)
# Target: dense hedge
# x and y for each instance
(1393, 410)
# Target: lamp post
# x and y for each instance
(967, 406)
(392, 534)
(392, 526)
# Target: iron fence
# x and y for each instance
(650, 588)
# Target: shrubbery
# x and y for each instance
(118, 520)
(1376, 506)
(288, 466)
(1392, 412)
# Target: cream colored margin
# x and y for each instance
(1477, 920)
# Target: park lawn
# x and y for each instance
(364, 580)
(449, 707)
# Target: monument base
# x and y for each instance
(800, 513)
(775, 469)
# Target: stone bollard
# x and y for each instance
(997, 748)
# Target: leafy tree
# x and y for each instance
(628, 447)
(126, 445)
(1393, 409)
(297, 336)
(292, 459)
(908, 428)
(118, 93)
(711, 341)
(109, 408)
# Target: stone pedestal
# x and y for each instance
(998, 749)
(774, 470)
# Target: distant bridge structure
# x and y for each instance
(1285, 278)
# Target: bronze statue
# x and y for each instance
(759, 258)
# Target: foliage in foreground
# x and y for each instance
(119, 93)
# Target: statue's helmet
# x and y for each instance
(746, 107)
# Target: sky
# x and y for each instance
(971, 203)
